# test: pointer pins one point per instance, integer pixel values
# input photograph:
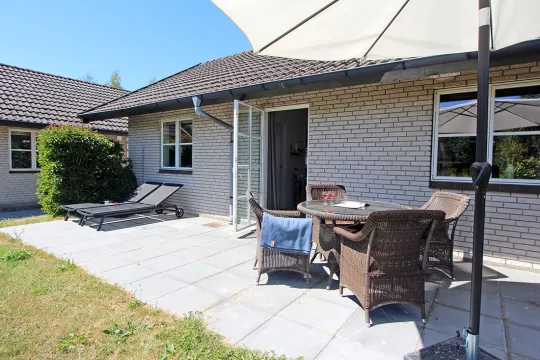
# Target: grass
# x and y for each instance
(52, 309)
(27, 220)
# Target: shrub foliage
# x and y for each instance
(80, 165)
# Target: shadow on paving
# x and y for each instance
(130, 221)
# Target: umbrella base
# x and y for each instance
(451, 349)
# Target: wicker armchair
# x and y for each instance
(381, 263)
(326, 242)
(441, 248)
(269, 260)
(314, 192)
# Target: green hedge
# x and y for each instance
(79, 165)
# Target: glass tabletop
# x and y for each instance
(318, 206)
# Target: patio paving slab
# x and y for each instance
(391, 338)
(346, 350)
(163, 263)
(287, 337)
(141, 254)
(522, 312)
(455, 297)
(126, 274)
(226, 283)
(98, 266)
(448, 320)
(270, 299)
(234, 320)
(526, 291)
(193, 272)
(524, 340)
(245, 269)
(232, 257)
(86, 255)
(188, 299)
(153, 287)
(311, 311)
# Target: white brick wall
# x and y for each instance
(206, 190)
(373, 139)
(16, 190)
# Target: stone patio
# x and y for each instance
(198, 264)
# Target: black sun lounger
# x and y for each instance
(155, 201)
(142, 191)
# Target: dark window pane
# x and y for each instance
(516, 157)
(186, 156)
(169, 132)
(169, 156)
(517, 109)
(186, 132)
(37, 153)
(21, 140)
(456, 129)
(21, 159)
(455, 155)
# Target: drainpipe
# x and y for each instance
(201, 113)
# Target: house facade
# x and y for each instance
(30, 101)
(374, 128)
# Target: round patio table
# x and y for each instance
(328, 212)
(324, 237)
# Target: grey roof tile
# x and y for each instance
(29, 96)
(227, 73)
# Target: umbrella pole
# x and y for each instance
(481, 172)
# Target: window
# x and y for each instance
(22, 145)
(514, 123)
(177, 144)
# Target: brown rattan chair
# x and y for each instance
(314, 192)
(269, 260)
(440, 255)
(326, 242)
(381, 263)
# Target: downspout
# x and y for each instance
(201, 113)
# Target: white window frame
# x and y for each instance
(435, 136)
(33, 136)
(177, 143)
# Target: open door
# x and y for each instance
(247, 164)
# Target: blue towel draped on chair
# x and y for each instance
(288, 235)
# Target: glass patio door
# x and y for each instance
(247, 165)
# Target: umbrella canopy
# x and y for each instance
(382, 29)
(509, 114)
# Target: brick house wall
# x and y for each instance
(374, 139)
(18, 190)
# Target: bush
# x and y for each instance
(79, 165)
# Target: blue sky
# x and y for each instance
(141, 39)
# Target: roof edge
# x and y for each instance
(134, 91)
(396, 70)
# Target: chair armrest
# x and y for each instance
(284, 213)
(349, 235)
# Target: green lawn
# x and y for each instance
(27, 220)
(52, 309)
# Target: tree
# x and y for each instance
(88, 78)
(115, 80)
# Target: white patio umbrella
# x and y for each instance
(381, 29)
(386, 29)
(509, 114)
